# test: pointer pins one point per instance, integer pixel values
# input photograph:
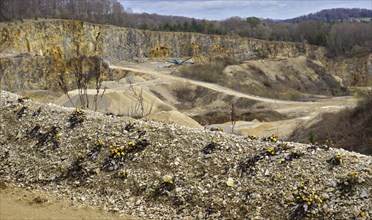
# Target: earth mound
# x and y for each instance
(156, 170)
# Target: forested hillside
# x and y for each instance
(335, 14)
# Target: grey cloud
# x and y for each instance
(221, 9)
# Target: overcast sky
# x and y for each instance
(222, 9)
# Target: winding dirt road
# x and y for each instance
(298, 111)
(212, 86)
(279, 105)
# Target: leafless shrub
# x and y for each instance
(62, 83)
(209, 72)
(101, 68)
(85, 70)
(267, 83)
(139, 109)
(232, 117)
(184, 92)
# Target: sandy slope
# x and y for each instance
(143, 69)
(118, 99)
(19, 203)
(298, 111)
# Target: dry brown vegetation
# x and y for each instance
(292, 79)
(184, 92)
(222, 116)
(209, 72)
(349, 129)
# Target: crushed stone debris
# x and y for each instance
(161, 171)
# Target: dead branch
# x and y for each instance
(63, 85)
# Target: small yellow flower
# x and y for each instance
(355, 174)
(168, 181)
(59, 135)
(318, 198)
(363, 214)
(271, 150)
(100, 143)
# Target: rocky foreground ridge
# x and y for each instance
(153, 170)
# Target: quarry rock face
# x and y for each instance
(48, 43)
(67, 39)
(26, 72)
(351, 71)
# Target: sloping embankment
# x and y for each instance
(155, 170)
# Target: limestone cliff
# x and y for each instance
(44, 42)
(68, 39)
(351, 71)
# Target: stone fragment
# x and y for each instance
(230, 182)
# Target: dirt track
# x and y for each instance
(212, 86)
(279, 104)
(298, 111)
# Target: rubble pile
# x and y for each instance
(149, 169)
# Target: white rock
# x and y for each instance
(363, 194)
(230, 182)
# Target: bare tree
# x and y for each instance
(138, 108)
(81, 80)
(232, 117)
(100, 68)
(58, 67)
(62, 83)
(85, 70)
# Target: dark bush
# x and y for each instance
(208, 72)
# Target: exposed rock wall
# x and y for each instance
(26, 72)
(69, 39)
(351, 71)
(42, 42)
